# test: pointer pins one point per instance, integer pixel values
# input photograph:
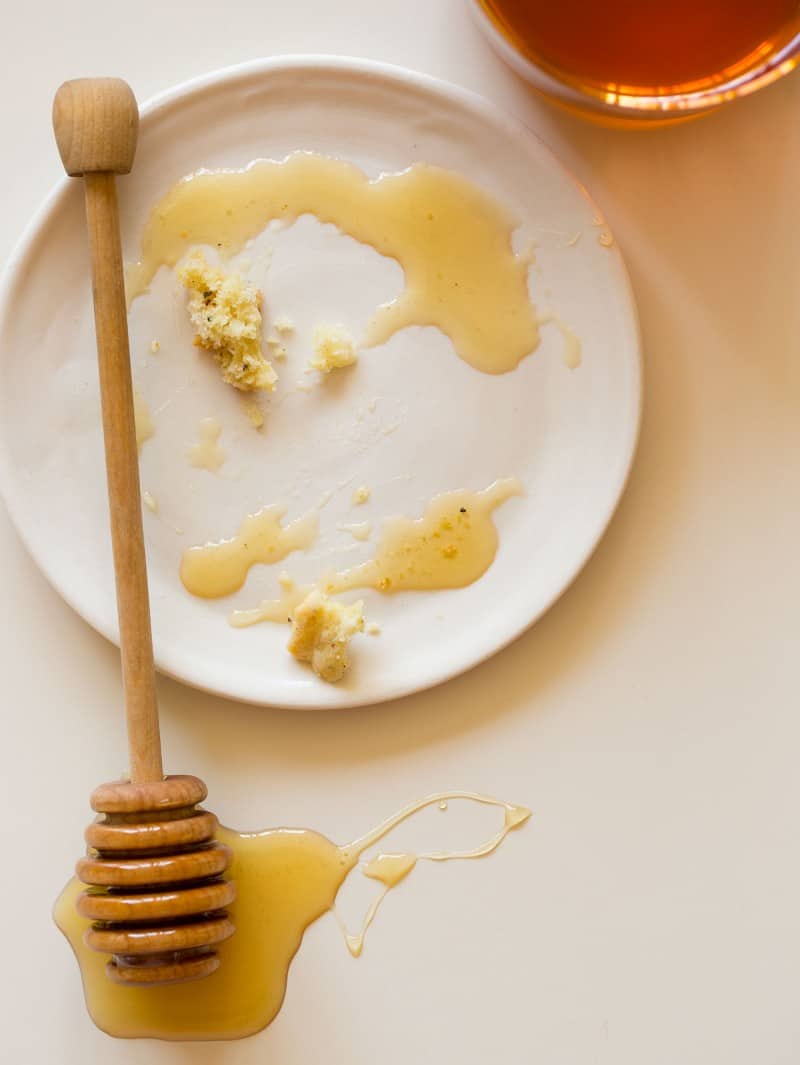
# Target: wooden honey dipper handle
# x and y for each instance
(96, 122)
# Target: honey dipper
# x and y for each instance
(155, 891)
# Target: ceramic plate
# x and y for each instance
(412, 420)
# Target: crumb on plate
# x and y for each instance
(226, 312)
(361, 494)
(321, 631)
(333, 347)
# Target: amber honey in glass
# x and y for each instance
(648, 54)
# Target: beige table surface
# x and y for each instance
(649, 915)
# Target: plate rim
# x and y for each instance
(459, 95)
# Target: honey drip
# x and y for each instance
(286, 879)
(218, 569)
(451, 238)
(143, 421)
(206, 454)
(573, 348)
(359, 530)
(279, 610)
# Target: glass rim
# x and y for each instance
(653, 105)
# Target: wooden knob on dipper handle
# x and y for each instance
(96, 123)
(156, 895)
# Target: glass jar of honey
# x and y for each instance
(645, 59)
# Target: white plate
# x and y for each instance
(569, 435)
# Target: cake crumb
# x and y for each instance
(361, 494)
(321, 631)
(226, 312)
(155, 347)
(373, 629)
(283, 326)
(333, 347)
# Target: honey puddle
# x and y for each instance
(207, 454)
(218, 569)
(450, 546)
(286, 879)
(451, 238)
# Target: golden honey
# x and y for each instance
(285, 878)
(647, 47)
(452, 239)
(450, 546)
(217, 569)
(207, 454)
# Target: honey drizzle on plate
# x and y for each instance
(207, 454)
(216, 569)
(286, 878)
(359, 530)
(452, 239)
(573, 347)
(450, 546)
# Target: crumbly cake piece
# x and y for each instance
(333, 349)
(321, 631)
(226, 312)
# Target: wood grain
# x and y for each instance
(122, 470)
(96, 123)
